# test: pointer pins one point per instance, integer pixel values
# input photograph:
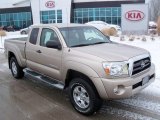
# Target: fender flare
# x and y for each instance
(90, 73)
(16, 54)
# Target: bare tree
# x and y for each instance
(154, 6)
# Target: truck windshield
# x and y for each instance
(83, 36)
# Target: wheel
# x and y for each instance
(83, 97)
(16, 70)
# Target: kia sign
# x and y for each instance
(50, 4)
(134, 15)
(134, 19)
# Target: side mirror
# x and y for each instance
(54, 44)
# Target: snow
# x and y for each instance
(152, 23)
(124, 113)
(142, 102)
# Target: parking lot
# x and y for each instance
(29, 99)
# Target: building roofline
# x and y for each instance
(20, 2)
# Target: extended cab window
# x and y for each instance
(48, 35)
(34, 35)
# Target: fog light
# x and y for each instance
(119, 90)
(115, 90)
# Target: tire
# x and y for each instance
(90, 102)
(16, 70)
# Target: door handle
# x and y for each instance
(38, 51)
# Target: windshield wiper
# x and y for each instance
(98, 43)
(81, 45)
(88, 44)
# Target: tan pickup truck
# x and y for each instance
(89, 65)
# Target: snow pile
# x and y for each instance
(152, 24)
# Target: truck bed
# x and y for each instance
(17, 45)
(18, 39)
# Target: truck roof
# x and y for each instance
(60, 25)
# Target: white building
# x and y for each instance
(22, 13)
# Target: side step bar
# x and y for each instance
(45, 79)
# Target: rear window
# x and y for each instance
(34, 35)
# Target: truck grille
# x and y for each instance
(141, 65)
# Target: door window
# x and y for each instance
(48, 35)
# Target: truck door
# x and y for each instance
(49, 58)
(32, 55)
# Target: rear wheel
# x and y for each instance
(16, 70)
(83, 97)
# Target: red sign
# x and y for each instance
(134, 15)
(50, 4)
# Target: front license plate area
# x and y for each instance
(145, 80)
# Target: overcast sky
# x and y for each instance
(147, 1)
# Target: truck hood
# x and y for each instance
(112, 51)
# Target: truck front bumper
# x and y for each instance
(126, 87)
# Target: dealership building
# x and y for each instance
(23, 13)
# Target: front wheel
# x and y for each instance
(16, 70)
(83, 97)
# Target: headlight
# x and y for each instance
(116, 68)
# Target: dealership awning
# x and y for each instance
(20, 2)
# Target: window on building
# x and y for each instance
(111, 15)
(18, 20)
(52, 16)
(59, 16)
